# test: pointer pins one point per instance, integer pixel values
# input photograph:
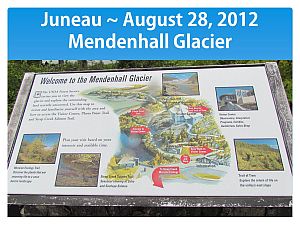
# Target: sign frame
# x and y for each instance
(285, 121)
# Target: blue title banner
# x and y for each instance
(149, 33)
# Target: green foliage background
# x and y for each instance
(17, 68)
(257, 157)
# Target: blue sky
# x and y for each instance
(180, 75)
(48, 139)
(272, 142)
(230, 90)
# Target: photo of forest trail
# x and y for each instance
(38, 149)
(78, 170)
(258, 155)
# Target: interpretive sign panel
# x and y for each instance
(164, 134)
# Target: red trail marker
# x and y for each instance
(200, 150)
(163, 170)
(197, 109)
(138, 112)
(185, 159)
(139, 130)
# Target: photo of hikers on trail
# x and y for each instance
(180, 84)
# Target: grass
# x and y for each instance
(206, 176)
(186, 151)
(257, 157)
(122, 173)
(174, 176)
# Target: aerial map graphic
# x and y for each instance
(168, 138)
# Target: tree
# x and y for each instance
(156, 160)
(183, 133)
(83, 63)
(172, 138)
(113, 162)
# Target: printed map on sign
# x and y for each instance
(168, 138)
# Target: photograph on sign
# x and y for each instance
(236, 98)
(78, 170)
(175, 84)
(258, 154)
(38, 148)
